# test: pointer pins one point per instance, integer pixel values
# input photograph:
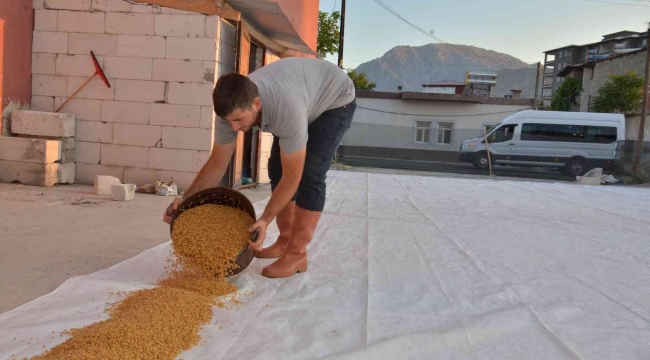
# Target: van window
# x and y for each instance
(601, 134)
(569, 133)
(502, 134)
(538, 132)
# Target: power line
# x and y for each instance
(398, 113)
(333, 7)
(615, 3)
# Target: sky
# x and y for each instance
(523, 29)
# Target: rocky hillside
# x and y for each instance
(411, 67)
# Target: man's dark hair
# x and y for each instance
(233, 91)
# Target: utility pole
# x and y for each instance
(644, 104)
(536, 105)
(342, 34)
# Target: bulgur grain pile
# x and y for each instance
(162, 322)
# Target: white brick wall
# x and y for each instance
(76, 65)
(43, 103)
(166, 10)
(45, 20)
(175, 115)
(191, 48)
(128, 68)
(82, 109)
(180, 25)
(44, 64)
(177, 70)
(49, 85)
(96, 89)
(141, 177)
(129, 24)
(50, 42)
(187, 138)
(123, 155)
(212, 26)
(125, 112)
(189, 94)
(93, 131)
(140, 91)
(138, 135)
(67, 4)
(100, 44)
(85, 173)
(173, 159)
(208, 117)
(210, 72)
(141, 46)
(81, 22)
(88, 152)
(38, 4)
(204, 156)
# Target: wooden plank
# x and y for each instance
(207, 7)
(243, 58)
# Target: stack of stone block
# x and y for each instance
(42, 150)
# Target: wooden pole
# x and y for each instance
(536, 105)
(75, 93)
(644, 105)
(488, 150)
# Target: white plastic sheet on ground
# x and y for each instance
(405, 267)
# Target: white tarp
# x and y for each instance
(406, 267)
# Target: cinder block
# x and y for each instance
(187, 138)
(82, 109)
(30, 150)
(204, 156)
(101, 5)
(50, 42)
(212, 26)
(88, 153)
(123, 6)
(125, 192)
(189, 94)
(100, 44)
(49, 85)
(123, 155)
(177, 70)
(43, 103)
(129, 24)
(94, 131)
(207, 117)
(38, 4)
(141, 177)
(67, 143)
(96, 89)
(102, 184)
(29, 173)
(85, 173)
(128, 68)
(173, 159)
(175, 115)
(80, 21)
(180, 25)
(76, 65)
(125, 112)
(42, 123)
(141, 46)
(210, 72)
(166, 10)
(138, 90)
(43, 64)
(137, 135)
(68, 4)
(66, 173)
(45, 20)
(191, 48)
(68, 156)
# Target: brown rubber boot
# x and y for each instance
(295, 259)
(284, 220)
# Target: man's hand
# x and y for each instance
(261, 226)
(167, 216)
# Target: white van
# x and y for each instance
(574, 142)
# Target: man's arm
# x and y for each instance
(209, 176)
(292, 168)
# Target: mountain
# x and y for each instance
(411, 67)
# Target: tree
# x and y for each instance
(566, 95)
(361, 81)
(620, 94)
(328, 33)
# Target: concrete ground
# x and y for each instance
(48, 235)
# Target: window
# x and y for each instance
(422, 131)
(538, 132)
(569, 133)
(488, 128)
(256, 58)
(444, 132)
(502, 134)
(600, 134)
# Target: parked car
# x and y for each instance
(574, 142)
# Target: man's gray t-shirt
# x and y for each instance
(294, 93)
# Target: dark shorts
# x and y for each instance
(325, 135)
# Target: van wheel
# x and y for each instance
(481, 161)
(576, 168)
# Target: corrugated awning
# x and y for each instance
(268, 18)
